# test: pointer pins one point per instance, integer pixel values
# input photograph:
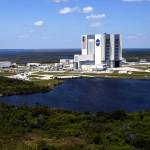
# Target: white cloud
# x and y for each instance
(92, 16)
(26, 36)
(32, 31)
(131, 37)
(38, 23)
(59, 1)
(44, 38)
(96, 24)
(67, 10)
(139, 35)
(20, 37)
(87, 9)
(136, 0)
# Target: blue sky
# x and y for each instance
(60, 23)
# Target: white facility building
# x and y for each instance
(5, 64)
(100, 50)
(66, 61)
(33, 64)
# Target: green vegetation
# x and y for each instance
(48, 83)
(40, 56)
(53, 57)
(43, 128)
(134, 75)
(49, 61)
(132, 55)
(7, 73)
(17, 87)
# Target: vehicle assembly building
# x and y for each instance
(100, 50)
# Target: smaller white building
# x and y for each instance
(66, 61)
(122, 71)
(80, 60)
(33, 64)
(68, 67)
(5, 64)
(101, 67)
(21, 76)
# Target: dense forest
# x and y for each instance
(42, 56)
(42, 128)
(136, 55)
(18, 87)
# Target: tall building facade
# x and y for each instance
(101, 49)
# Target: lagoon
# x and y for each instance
(92, 94)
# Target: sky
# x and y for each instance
(42, 24)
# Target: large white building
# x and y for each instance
(100, 49)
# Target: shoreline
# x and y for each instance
(62, 80)
(44, 80)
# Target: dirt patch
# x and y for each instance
(32, 140)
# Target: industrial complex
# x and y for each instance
(100, 53)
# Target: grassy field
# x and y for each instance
(134, 75)
(7, 73)
(51, 83)
(42, 128)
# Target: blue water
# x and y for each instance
(93, 95)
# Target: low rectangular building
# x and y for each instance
(5, 64)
